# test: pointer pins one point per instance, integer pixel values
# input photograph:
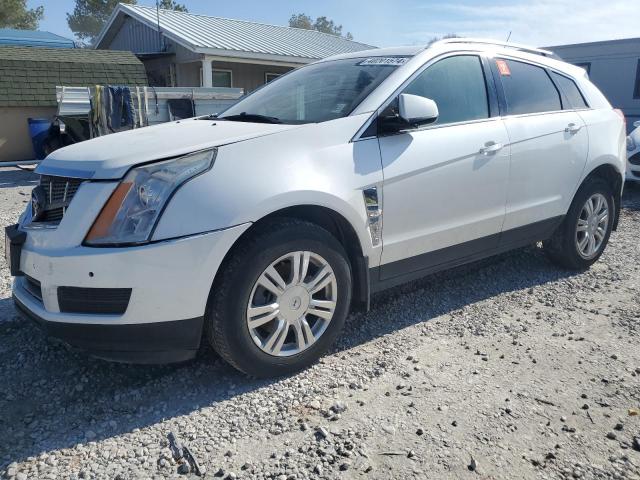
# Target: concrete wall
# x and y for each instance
(613, 68)
(15, 142)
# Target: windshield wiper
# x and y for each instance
(251, 117)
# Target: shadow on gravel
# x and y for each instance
(53, 398)
(631, 196)
(11, 178)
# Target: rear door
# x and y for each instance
(549, 144)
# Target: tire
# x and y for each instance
(241, 280)
(563, 247)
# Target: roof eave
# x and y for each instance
(285, 60)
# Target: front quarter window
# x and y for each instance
(315, 93)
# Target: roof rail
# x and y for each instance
(484, 41)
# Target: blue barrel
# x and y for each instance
(39, 130)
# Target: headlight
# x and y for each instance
(631, 144)
(132, 211)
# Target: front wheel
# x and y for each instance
(280, 300)
(585, 231)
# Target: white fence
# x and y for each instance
(150, 103)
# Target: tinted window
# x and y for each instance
(571, 96)
(457, 86)
(528, 89)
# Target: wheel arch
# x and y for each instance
(338, 226)
(614, 178)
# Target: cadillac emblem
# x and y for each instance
(38, 202)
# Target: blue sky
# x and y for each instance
(408, 22)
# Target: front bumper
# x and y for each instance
(169, 281)
(157, 342)
(633, 166)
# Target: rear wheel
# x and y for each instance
(584, 233)
(280, 299)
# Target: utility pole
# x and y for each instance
(159, 31)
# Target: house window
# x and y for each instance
(270, 76)
(222, 78)
(586, 66)
(636, 89)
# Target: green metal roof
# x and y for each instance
(29, 76)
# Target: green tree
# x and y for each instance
(15, 14)
(172, 5)
(300, 20)
(320, 24)
(89, 16)
(324, 25)
(445, 36)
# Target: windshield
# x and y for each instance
(315, 93)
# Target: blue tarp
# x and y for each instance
(33, 38)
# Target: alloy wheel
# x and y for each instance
(591, 228)
(292, 303)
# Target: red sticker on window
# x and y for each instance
(503, 68)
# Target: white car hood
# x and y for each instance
(112, 155)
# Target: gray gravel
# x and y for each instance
(508, 368)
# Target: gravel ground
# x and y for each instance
(507, 368)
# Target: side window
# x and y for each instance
(570, 92)
(457, 86)
(528, 89)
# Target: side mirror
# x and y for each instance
(417, 110)
(636, 124)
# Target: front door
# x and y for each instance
(445, 184)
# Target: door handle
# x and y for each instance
(572, 128)
(491, 147)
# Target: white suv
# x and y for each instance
(259, 229)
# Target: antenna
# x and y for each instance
(508, 37)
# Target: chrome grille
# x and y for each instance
(59, 192)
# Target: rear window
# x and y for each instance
(528, 89)
(571, 96)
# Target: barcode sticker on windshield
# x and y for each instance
(390, 61)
